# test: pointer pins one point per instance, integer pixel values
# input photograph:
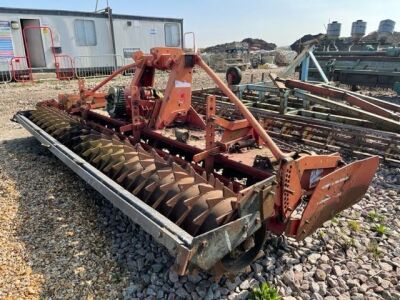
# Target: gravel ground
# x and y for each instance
(60, 239)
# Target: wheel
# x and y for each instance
(233, 75)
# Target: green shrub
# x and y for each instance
(264, 292)
(380, 229)
(354, 225)
(374, 249)
(375, 217)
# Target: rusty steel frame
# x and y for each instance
(322, 134)
(351, 99)
(286, 103)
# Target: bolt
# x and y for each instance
(203, 244)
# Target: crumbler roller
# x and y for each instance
(205, 187)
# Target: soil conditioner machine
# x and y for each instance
(205, 187)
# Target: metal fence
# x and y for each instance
(17, 69)
(20, 70)
(128, 59)
(5, 70)
(64, 67)
(91, 66)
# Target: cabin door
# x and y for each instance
(33, 43)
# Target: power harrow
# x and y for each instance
(207, 188)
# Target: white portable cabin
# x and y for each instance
(84, 38)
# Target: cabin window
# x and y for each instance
(85, 33)
(172, 35)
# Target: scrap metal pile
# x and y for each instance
(318, 115)
(209, 200)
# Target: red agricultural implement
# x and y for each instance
(205, 187)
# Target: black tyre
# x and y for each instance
(233, 75)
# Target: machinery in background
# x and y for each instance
(371, 61)
(360, 68)
(234, 54)
(208, 197)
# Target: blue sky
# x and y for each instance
(218, 21)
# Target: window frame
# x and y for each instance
(84, 22)
(179, 35)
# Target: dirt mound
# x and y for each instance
(252, 44)
(372, 37)
(297, 45)
(259, 44)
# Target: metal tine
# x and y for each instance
(128, 149)
(142, 184)
(150, 188)
(218, 184)
(102, 152)
(50, 117)
(104, 160)
(171, 202)
(87, 142)
(190, 169)
(228, 192)
(167, 186)
(180, 175)
(177, 168)
(161, 164)
(58, 131)
(146, 162)
(92, 153)
(199, 220)
(213, 201)
(39, 118)
(131, 155)
(46, 122)
(185, 185)
(129, 160)
(127, 169)
(116, 169)
(143, 154)
(182, 217)
(159, 200)
(115, 158)
(199, 179)
(164, 173)
(131, 178)
(223, 219)
(191, 201)
(155, 154)
(56, 128)
(71, 137)
(62, 124)
(211, 179)
(205, 188)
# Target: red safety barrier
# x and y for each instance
(20, 69)
(64, 67)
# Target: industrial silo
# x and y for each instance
(358, 29)
(386, 28)
(333, 30)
